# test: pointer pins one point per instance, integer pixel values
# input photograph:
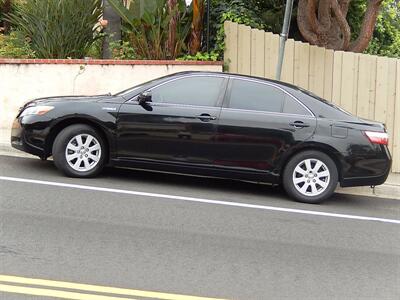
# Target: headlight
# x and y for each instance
(36, 110)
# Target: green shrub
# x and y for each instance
(238, 11)
(58, 28)
(96, 49)
(15, 45)
(386, 39)
(147, 25)
(122, 50)
(201, 56)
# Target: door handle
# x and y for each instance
(299, 124)
(206, 117)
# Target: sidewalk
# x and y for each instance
(391, 188)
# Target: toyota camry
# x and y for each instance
(213, 124)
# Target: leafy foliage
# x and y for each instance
(58, 28)
(146, 25)
(201, 56)
(386, 38)
(122, 50)
(15, 45)
(230, 10)
(96, 49)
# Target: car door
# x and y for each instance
(257, 124)
(178, 126)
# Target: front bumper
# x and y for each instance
(27, 139)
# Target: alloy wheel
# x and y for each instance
(83, 152)
(311, 177)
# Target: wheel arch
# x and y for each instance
(56, 129)
(324, 148)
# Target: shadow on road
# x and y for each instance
(211, 187)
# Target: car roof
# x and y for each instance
(277, 82)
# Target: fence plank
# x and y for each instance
(301, 63)
(348, 83)
(337, 77)
(328, 76)
(372, 90)
(396, 137)
(390, 110)
(381, 89)
(231, 46)
(257, 53)
(267, 54)
(317, 70)
(244, 49)
(366, 82)
(288, 63)
(273, 51)
(355, 81)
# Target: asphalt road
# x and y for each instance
(190, 240)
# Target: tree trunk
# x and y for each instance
(171, 43)
(323, 23)
(6, 9)
(112, 30)
(367, 27)
(197, 26)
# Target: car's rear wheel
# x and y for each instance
(310, 177)
(79, 151)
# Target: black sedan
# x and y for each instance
(213, 124)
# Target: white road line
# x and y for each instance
(201, 200)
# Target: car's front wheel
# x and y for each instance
(310, 177)
(79, 151)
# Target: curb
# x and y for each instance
(386, 190)
(7, 150)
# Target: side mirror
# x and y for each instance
(144, 98)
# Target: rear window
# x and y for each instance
(249, 95)
(320, 107)
(293, 107)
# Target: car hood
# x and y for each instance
(47, 100)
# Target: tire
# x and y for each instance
(310, 177)
(79, 151)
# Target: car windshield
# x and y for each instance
(137, 87)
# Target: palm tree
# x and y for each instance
(171, 43)
(112, 30)
(197, 26)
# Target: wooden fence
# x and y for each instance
(365, 85)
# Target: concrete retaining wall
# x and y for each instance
(23, 80)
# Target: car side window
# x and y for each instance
(196, 90)
(291, 106)
(251, 95)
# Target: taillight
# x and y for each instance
(380, 138)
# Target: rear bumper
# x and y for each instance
(364, 181)
(368, 170)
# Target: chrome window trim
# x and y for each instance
(232, 76)
(183, 105)
(275, 86)
(267, 112)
